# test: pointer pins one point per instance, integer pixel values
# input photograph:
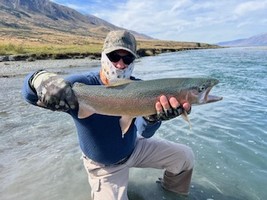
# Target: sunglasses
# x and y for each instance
(114, 57)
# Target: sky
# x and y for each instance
(208, 21)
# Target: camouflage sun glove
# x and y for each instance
(53, 92)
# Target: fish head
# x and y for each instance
(201, 89)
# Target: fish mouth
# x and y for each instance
(207, 98)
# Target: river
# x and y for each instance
(40, 155)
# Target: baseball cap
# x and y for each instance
(120, 39)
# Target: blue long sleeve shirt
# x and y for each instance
(100, 136)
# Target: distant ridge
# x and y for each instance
(257, 40)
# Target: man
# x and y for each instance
(107, 155)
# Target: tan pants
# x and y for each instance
(110, 182)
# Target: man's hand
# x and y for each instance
(53, 92)
(168, 109)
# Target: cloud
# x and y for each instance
(168, 19)
(180, 5)
(250, 6)
(182, 20)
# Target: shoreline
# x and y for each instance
(142, 52)
(21, 65)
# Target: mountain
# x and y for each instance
(258, 40)
(46, 21)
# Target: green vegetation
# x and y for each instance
(14, 49)
(6, 49)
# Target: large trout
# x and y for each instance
(137, 98)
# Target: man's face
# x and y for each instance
(121, 58)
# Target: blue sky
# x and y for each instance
(209, 21)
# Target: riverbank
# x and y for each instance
(20, 64)
(28, 51)
(58, 56)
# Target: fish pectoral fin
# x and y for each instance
(186, 118)
(84, 111)
(125, 123)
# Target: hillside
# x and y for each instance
(258, 40)
(41, 20)
(42, 26)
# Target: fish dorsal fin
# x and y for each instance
(119, 82)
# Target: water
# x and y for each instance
(40, 156)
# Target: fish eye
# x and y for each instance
(202, 88)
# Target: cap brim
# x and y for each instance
(106, 51)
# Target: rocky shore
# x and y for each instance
(63, 66)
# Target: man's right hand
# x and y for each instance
(53, 92)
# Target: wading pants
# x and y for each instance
(110, 182)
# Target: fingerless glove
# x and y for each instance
(53, 91)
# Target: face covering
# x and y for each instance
(111, 72)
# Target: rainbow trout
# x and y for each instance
(130, 99)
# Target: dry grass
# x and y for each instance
(45, 41)
(57, 42)
(33, 47)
